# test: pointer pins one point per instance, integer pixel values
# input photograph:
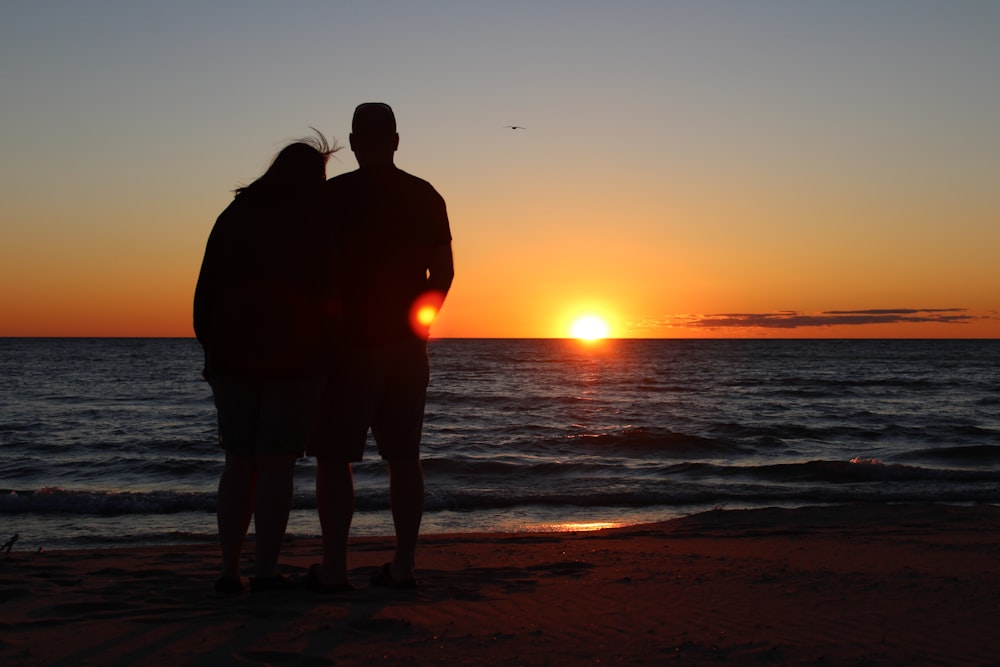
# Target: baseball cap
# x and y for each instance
(373, 118)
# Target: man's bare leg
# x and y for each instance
(406, 489)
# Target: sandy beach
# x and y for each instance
(846, 585)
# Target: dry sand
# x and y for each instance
(854, 585)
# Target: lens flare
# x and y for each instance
(424, 311)
(425, 315)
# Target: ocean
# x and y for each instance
(112, 442)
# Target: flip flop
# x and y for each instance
(313, 582)
(383, 579)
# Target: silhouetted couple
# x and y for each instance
(308, 307)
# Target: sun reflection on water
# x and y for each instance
(581, 526)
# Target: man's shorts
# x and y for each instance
(266, 417)
(382, 388)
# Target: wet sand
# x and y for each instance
(846, 585)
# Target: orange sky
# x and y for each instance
(687, 169)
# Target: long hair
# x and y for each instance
(298, 166)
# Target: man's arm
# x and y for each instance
(440, 269)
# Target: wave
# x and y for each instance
(496, 485)
(641, 440)
(972, 453)
(861, 470)
(49, 500)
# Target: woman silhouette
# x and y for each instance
(259, 315)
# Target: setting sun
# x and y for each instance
(589, 327)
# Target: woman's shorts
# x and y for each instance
(266, 416)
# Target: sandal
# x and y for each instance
(313, 582)
(383, 579)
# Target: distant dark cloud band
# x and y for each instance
(796, 320)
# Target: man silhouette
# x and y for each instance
(393, 259)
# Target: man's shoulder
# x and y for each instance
(342, 179)
(407, 176)
(393, 177)
(417, 185)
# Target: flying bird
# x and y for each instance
(515, 127)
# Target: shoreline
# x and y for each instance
(843, 584)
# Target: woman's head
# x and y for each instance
(298, 165)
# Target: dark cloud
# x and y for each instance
(791, 319)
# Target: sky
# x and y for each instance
(701, 168)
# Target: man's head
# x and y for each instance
(373, 133)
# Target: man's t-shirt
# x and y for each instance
(386, 223)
